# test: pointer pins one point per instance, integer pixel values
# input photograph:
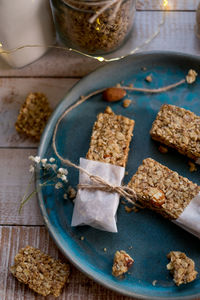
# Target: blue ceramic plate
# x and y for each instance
(147, 237)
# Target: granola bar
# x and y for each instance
(42, 273)
(178, 128)
(33, 116)
(122, 262)
(162, 189)
(181, 267)
(111, 138)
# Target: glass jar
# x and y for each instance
(80, 26)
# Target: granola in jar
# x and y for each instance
(80, 26)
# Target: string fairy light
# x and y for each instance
(164, 3)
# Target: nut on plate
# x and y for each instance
(157, 197)
(114, 94)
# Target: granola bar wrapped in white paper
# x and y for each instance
(96, 207)
(169, 194)
(107, 158)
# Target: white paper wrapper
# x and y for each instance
(190, 217)
(94, 207)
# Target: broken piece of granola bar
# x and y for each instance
(33, 116)
(122, 262)
(178, 128)
(162, 189)
(42, 273)
(110, 139)
(181, 267)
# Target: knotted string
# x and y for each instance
(128, 193)
(103, 4)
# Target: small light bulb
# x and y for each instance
(100, 58)
(165, 3)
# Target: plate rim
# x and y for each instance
(50, 227)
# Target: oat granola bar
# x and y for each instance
(33, 116)
(162, 189)
(181, 267)
(111, 138)
(122, 262)
(42, 273)
(178, 128)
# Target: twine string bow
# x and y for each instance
(124, 191)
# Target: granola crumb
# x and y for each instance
(149, 78)
(144, 68)
(154, 282)
(128, 209)
(135, 209)
(105, 249)
(163, 149)
(181, 267)
(82, 238)
(192, 166)
(108, 110)
(126, 173)
(118, 85)
(126, 103)
(40, 272)
(123, 202)
(122, 263)
(71, 192)
(130, 247)
(191, 76)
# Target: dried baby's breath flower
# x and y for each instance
(58, 185)
(35, 159)
(63, 171)
(44, 161)
(31, 169)
(51, 174)
(54, 167)
(63, 178)
(71, 192)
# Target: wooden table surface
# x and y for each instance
(54, 74)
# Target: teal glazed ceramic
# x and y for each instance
(146, 236)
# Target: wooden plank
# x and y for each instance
(14, 179)
(13, 238)
(172, 4)
(13, 93)
(178, 26)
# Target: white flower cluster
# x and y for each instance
(47, 165)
